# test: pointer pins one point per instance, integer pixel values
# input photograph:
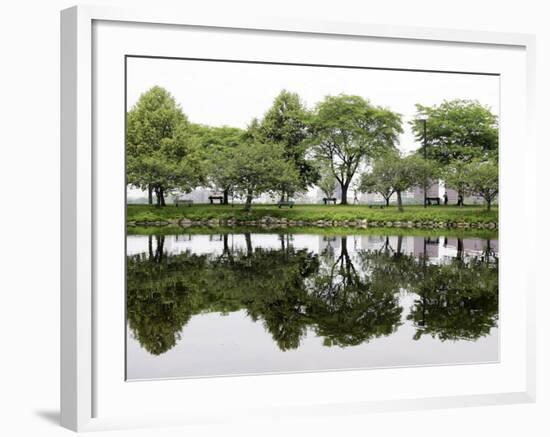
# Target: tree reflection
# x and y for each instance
(162, 296)
(346, 297)
(349, 308)
(457, 301)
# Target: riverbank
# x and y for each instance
(320, 216)
(484, 234)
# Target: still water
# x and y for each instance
(256, 302)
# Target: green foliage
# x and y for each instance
(457, 130)
(152, 119)
(456, 176)
(412, 171)
(162, 155)
(216, 144)
(348, 130)
(381, 179)
(168, 154)
(287, 123)
(478, 178)
(255, 168)
(395, 174)
(483, 180)
(327, 182)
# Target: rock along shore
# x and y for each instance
(283, 222)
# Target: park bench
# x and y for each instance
(429, 200)
(377, 205)
(212, 198)
(327, 200)
(178, 202)
(289, 203)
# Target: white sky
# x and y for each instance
(217, 94)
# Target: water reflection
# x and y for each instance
(347, 290)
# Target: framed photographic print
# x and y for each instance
(257, 208)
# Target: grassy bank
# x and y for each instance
(313, 213)
(332, 231)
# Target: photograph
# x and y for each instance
(286, 217)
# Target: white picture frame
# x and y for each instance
(81, 369)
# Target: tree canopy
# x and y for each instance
(216, 144)
(161, 152)
(254, 168)
(347, 130)
(483, 180)
(287, 123)
(462, 130)
(291, 148)
(395, 174)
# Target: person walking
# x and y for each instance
(460, 200)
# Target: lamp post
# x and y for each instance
(423, 118)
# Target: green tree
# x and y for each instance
(216, 143)
(396, 174)
(286, 123)
(348, 130)
(380, 179)
(456, 176)
(457, 130)
(152, 121)
(483, 180)
(254, 168)
(327, 182)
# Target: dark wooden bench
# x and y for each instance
(377, 204)
(329, 199)
(289, 203)
(212, 198)
(429, 200)
(179, 202)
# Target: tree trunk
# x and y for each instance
(425, 194)
(487, 251)
(344, 255)
(150, 195)
(399, 244)
(225, 243)
(248, 203)
(399, 202)
(387, 201)
(282, 196)
(157, 195)
(344, 187)
(226, 196)
(159, 251)
(162, 200)
(488, 204)
(248, 240)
